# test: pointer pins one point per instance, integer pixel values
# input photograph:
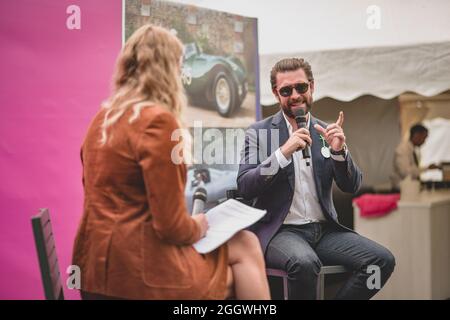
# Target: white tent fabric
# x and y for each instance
(436, 148)
(384, 72)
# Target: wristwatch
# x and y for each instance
(343, 152)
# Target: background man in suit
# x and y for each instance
(300, 231)
(407, 159)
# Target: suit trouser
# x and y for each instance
(301, 250)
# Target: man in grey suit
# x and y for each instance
(300, 231)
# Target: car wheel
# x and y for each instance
(224, 94)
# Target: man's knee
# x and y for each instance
(307, 266)
(384, 259)
(387, 262)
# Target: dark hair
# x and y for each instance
(417, 128)
(290, 64)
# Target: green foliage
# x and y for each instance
(182, 32)
(206, 46)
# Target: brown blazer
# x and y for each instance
(135, 237)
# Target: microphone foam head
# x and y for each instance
(299, 113)
(200, 193)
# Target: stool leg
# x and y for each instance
(320, 287)
(285, 288)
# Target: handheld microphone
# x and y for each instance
(300, 118)
(199, 200)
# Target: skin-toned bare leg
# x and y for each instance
(246, 272)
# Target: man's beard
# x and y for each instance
(288, 108)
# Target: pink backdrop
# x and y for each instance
(52, 82)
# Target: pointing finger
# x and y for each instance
(340, 120)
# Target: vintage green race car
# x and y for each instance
(216, 80)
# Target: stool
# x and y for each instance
(320, 293)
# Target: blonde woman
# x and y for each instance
(135, 237)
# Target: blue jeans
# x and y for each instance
(302, 250)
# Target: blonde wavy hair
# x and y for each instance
(147, 73)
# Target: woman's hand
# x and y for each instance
(202, 222)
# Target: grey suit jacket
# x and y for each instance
(272, 188)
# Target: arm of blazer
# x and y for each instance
(254, 176)
(165, 181)
(347, 175)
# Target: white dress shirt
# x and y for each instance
(305, 207)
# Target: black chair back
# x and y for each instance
(46, 251)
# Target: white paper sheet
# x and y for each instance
(224, 221)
